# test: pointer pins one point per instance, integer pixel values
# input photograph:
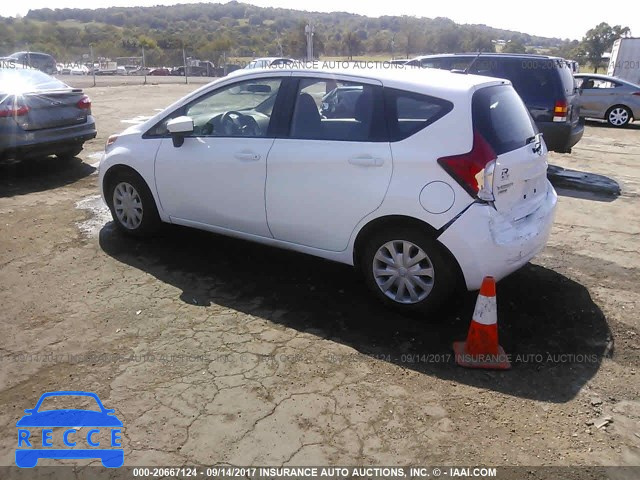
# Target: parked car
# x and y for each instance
(79, 70)
(40, 115)
(545, 84)
(468, 197)
(41, 61)
(159, 72)
(612, 99)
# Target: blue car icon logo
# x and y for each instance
(32, 447)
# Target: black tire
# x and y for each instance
(149, 221)
(620, 108)
(444, 273)
(70, 153)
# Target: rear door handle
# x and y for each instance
(247, 156)
(366, 161)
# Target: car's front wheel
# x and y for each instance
(407, 270)
(618, 116)
(132, 205)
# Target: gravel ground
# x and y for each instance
(219, 351)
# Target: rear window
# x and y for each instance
(533, 78)
(502, 118)
(566, 76)
(407, 113)
(19, 80)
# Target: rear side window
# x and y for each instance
(502, 118)
(533, 78)
(566, 76)
(336, 110)
(407, 113)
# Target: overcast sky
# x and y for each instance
(549, 18)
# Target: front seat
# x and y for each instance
(363, 113)
(588, 84)
(306, 122)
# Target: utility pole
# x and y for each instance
(308, 30)
(184, 61)
(393, 44)
(144, 66)
(93, 64)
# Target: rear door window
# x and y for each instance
(407, 112)
(329, 109)
(501, 117)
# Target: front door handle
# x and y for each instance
(366, 161)
(247, 156)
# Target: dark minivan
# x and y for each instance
(42, 61)
(545, 84)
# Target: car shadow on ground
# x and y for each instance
(37, 175)
(603, 124)
(556, 335)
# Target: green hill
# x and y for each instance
(208, 31)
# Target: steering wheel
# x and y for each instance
(236, 124)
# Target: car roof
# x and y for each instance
(489, 54)
(270, 58)
(425, 80)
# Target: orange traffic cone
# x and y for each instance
(481, 349)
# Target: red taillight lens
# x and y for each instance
(466, 167)
(561, 107)
(13, 109)
(636, 93)
(110, 141)
(560, 111)
(84, 103)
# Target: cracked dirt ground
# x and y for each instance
(218, 351)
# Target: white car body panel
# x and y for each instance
(215, 181)
(318, 190)
(304, 195)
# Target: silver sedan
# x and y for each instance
(612, 99)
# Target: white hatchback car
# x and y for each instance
(428, 178)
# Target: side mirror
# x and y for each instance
(178, 128)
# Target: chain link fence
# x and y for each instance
(98, 66)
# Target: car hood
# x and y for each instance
(69, 418)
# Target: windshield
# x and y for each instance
(16, 81)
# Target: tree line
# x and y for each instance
(208, 31)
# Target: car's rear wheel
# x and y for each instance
(132, 205)
(618, 116)
(407, 269)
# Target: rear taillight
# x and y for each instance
(84, 103)
(636, 93)
(468, 169)
(13, 108)
(110, 141)
(560, 111)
